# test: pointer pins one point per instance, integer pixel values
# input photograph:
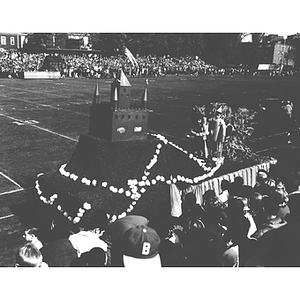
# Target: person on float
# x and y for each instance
(199, 131)
(217, 131)
(287, 109)
(200, 135)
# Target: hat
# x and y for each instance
(140, 247)
(262, 173)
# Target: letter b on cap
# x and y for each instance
(146, 248)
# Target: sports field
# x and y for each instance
(41, 121)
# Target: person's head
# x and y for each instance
(236, 205)
(189, 200)
(255, 201)
(270, 206)
(31, 234)
(194, 223)
(98, 219)
(225, 185)
(239, 181)
(279, 196)
(215, 214)
(140, 247)
(208, 195)
(96, 257)
(29, 256)
(270, 182)
(246, 191)
(261, 175)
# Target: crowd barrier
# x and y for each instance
(41, 75)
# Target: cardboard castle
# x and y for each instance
(116, 119)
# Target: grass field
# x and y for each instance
(41, 121)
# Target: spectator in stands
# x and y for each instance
(29, 256)
(13, 63)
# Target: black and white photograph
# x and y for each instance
(149, 148)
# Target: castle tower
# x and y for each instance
(114, 119)
(123, 87)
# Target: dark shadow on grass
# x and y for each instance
(28, 209)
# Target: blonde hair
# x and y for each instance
(29, 256)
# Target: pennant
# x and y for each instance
(130, 57)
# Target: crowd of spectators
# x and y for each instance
(13, 63)
(243, 226)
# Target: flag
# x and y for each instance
(130, 57)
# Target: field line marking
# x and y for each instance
(11, 192)
(272, 148)
(41, 128)
(55, 133)
(11, 180)
(45, 105)
(5, 217)
(264, 137)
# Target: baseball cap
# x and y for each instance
(140, 247)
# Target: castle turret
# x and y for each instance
(145, 96)
(114, 120)
(96, 95)
(123, 90)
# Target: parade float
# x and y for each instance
(121, 168)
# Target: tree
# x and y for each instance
(221, 49)
(109, 43)
(60, 40)
(46, 40)
(38, 40)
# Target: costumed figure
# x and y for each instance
(217, 131)
(199, 131)
(287, 109)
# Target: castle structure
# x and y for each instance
(115, 119)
